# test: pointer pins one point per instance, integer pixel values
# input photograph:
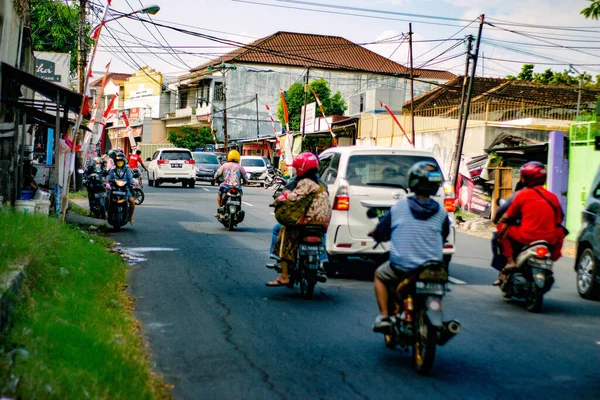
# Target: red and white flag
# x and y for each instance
(325, 118)
(382, 104)
(99, 98)
(286, 115)
(277, 146)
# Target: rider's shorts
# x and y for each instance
(225, 188)
(390, 275)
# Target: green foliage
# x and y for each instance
(333, 105)
(55, 27)
(192, 138)
(592, 11)
(72, 327)
(526, 73)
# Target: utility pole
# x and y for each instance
(412, 85)
(224, 69)
(579, 95)
(465, 119)
(305, 100)
(257, 128)
(81, 47)
(462, 103)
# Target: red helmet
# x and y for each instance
(304, 162)
(533, 174)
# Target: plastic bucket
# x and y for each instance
(42, 194)
(27, 194)
(25, 207)
(42, 207)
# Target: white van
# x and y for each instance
(360, 178)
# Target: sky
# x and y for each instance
(566, 39)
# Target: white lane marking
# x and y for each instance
(456, 281)
(248, 204)
(146, 249)
(206, 189)
(598, 343)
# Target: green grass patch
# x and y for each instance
(81, 194)
(74, 208)
(73, 334)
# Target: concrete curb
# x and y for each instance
(10, 288)
(81, 219)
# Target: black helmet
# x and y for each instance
(424, 178)
(120, 157)
(112, 154)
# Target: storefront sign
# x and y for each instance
(481, 200)
(53, 67)
(141, 93)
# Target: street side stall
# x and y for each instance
(494, 175)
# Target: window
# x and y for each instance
(390, 170)
(183, 98)
(361, 104)
(253, 162)
(206, 158)
(155, 155)
(328, 167)
(219, 94)
(177, 155)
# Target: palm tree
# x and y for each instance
(593, 11)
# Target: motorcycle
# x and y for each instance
(96, 189)
(118, 206)
(416, 315)
(136, 190)
(308, 269)
(278, 180)
(230, 214)
(532, 277)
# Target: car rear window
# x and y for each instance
(206, 158)
(252, 162)
(178, 155)
(390, 170)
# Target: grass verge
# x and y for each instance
(73, 334)
(81, 194)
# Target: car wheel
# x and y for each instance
(150, 182)
(447, 260)
(192, 184)
(157, 183)
(587, 275)
(184, 184)
(334, 265)
(212, 183)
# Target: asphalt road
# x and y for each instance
(216, 332)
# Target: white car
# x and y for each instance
(361, 178)
(172, 165)
(256, 167)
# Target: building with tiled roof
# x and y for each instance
(267, 65)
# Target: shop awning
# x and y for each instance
(13, 78)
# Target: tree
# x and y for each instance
(55, 27)
(193, 138)
(526, 73)
(545, 77)
(593, 11)
(333, 105)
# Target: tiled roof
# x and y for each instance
(115, 76)
(528, 93)
(317, 51)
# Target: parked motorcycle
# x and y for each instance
(416, 316)
(230, 214)
(96, 189)
(278, 181)
(308, 269)
(118, 206)
(532, 277)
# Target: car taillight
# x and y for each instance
(312, 239)
(163, 161)
(541, 252)
(234, 191)
(449, 197)
(341, 201)
(190, 162)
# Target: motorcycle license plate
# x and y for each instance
(176, 165)
(100, 195)
(430, 288)
(306, 248)
(119, 193)
(235, 203)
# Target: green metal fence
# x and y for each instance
(583, 164)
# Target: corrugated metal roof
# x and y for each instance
(316, 51)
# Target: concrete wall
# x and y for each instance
(266, 81)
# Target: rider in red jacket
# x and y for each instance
(538, 210)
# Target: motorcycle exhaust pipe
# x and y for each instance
(448, 331)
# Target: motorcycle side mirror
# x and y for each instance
(372, 213)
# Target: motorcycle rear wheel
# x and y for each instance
(230, 223)
(424, 345)
(535, 301)
(138, 196)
